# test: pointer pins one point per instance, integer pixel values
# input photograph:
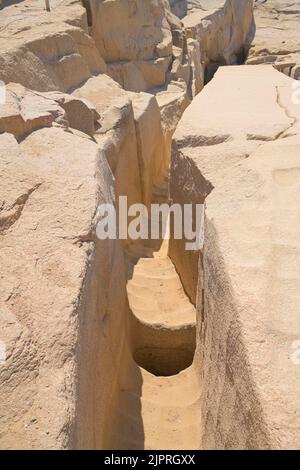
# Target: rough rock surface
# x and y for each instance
(32, 40)
(69, 59)
(71, 137)
(145, 46)
(135, 40)
(245, 162)
(220, 43)
(26, 111)
(49, 311)
(277, 38)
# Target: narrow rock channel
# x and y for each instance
(130, 344)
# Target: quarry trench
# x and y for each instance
(159, 403)
(138, 383)
(125, 344)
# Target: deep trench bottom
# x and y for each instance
(163, 362)
(160, 403)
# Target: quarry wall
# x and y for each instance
(94, 93)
